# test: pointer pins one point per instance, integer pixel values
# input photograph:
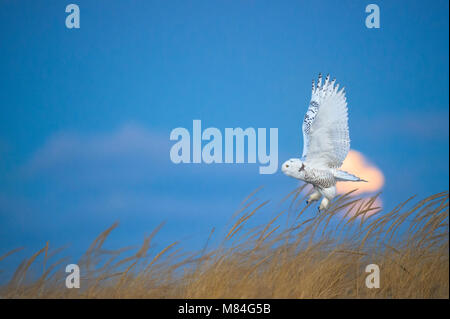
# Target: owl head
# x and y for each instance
(294, 168)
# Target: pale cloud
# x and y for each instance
(129, 141)
(430, 125)
(130, 153)
(95, 178)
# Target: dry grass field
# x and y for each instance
(289, 256)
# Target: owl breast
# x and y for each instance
(318, 177)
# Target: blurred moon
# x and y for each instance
(355, 163)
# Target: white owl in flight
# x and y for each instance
(326, 143)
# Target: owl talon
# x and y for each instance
(324, 204)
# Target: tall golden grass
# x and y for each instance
(289, 256)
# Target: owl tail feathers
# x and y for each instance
(343, 176)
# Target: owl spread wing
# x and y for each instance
(326, 139)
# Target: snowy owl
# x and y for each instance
(326, 143)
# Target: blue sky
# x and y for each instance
(86, 113)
